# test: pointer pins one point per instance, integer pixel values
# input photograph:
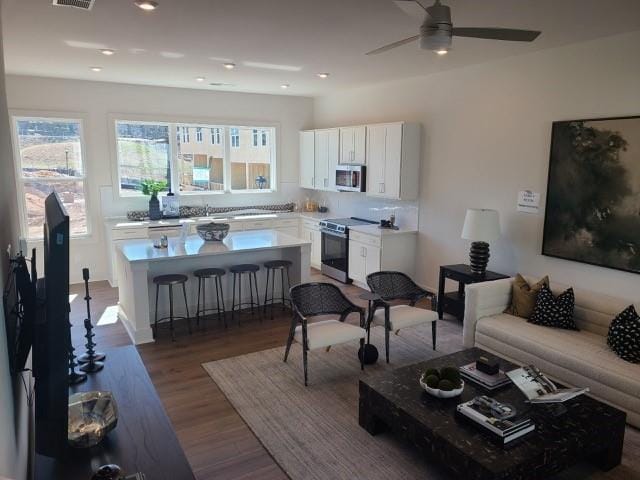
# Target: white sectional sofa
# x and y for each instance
(578, 359)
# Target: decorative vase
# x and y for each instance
(154, 208)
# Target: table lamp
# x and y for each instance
(481, 226)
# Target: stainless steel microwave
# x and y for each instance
(351, 178)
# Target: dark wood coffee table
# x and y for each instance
(394, 401)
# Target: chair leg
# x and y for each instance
(186, 306)
(288, 288)
(282, 283)
(198, 302)
(173, 336)
(305, 347)
(155, 324)
(266, 290)
(433, 334)
(362, 356)
(292, 331)
(251, 295)
(273, 288)
(386, 341)
(255, 286)
(233, 300)
(224, 311)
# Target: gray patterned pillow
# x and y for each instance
(624, 335)
(553, 311)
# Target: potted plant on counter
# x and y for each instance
(153, 187)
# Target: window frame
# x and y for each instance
(17, 115)
(225, 132)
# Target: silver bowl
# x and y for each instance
(91, 416)
(213, 232)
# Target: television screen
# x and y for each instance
(53, 335)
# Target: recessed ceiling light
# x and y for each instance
(107, 51)
(146, 5)
(199, 79)
(96, 69)
(285, 86)
(229, 65)
(441, 52)
(323, 75)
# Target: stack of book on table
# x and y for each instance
(499, 420)
(490, 382)
(539, 389)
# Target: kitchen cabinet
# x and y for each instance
(370, 253)
(311, 232)
(307, 159)
(353, 145)
(327, 148)
(393, 160)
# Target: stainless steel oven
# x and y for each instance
(351, 178)
(335, 254)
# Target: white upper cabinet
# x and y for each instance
(353, 145)
(307, 159)
(393, 160)
(326, 158)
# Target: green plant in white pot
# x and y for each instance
(152, 188)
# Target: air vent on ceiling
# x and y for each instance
(221, 84)
(81, 4)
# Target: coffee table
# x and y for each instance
(394, 401)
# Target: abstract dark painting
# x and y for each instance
(593, 193)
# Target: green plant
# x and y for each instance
(432, 371)
(446, 385)
(432, 381)
(451, 373)
(153, 187)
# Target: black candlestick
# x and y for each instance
(92, 365)
(91, 355)
(74, 377)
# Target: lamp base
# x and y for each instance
(479, 257)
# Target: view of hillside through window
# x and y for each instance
(51, 158)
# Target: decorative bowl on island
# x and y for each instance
(92, 415)
(213, 232)
(443, 383)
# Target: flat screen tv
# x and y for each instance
(52, 335)
(593, 193)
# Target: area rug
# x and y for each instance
(313, 432)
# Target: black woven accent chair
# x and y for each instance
(393, 286)
(314, 299)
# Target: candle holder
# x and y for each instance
(92, 361)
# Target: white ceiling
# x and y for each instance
(184, 39)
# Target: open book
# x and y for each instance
(539, 389)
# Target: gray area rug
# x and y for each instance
(313, 432)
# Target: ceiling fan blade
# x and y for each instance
(509, 34)
(393, 45)
(411, 7)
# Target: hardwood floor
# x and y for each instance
(216, 441)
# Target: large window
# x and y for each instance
(237, 159)
(50, 157)
(144, 153)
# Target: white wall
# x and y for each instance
(486, 136)
(96, 101)
(13, 408)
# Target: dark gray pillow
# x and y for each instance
(553, 311)
(624, 335)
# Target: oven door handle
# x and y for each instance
(333, 234)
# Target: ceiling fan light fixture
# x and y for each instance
(146, 5)
(229, 65)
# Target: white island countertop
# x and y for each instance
(194, 246)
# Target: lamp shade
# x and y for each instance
(481, 225)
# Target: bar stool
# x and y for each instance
(202, 275)
(238, 270)
(272, 267)
(170, 281)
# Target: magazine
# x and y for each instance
(539, 389)
(487, 381)
(498, 419)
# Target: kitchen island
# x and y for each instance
(139, 261)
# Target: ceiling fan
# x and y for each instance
(436, 29)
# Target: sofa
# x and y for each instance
(574, 358)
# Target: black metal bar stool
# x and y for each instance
(202, 275)
(272, 267)
(238, 270)
(170, 281)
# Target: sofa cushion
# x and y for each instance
(553, 311)
(403, 316)
(583, 352)
(524, 296)
(624, 335)
(329, 332)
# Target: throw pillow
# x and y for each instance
(553, 311)
(624, 335)
(524, 296)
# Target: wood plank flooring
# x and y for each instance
(216, 441)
